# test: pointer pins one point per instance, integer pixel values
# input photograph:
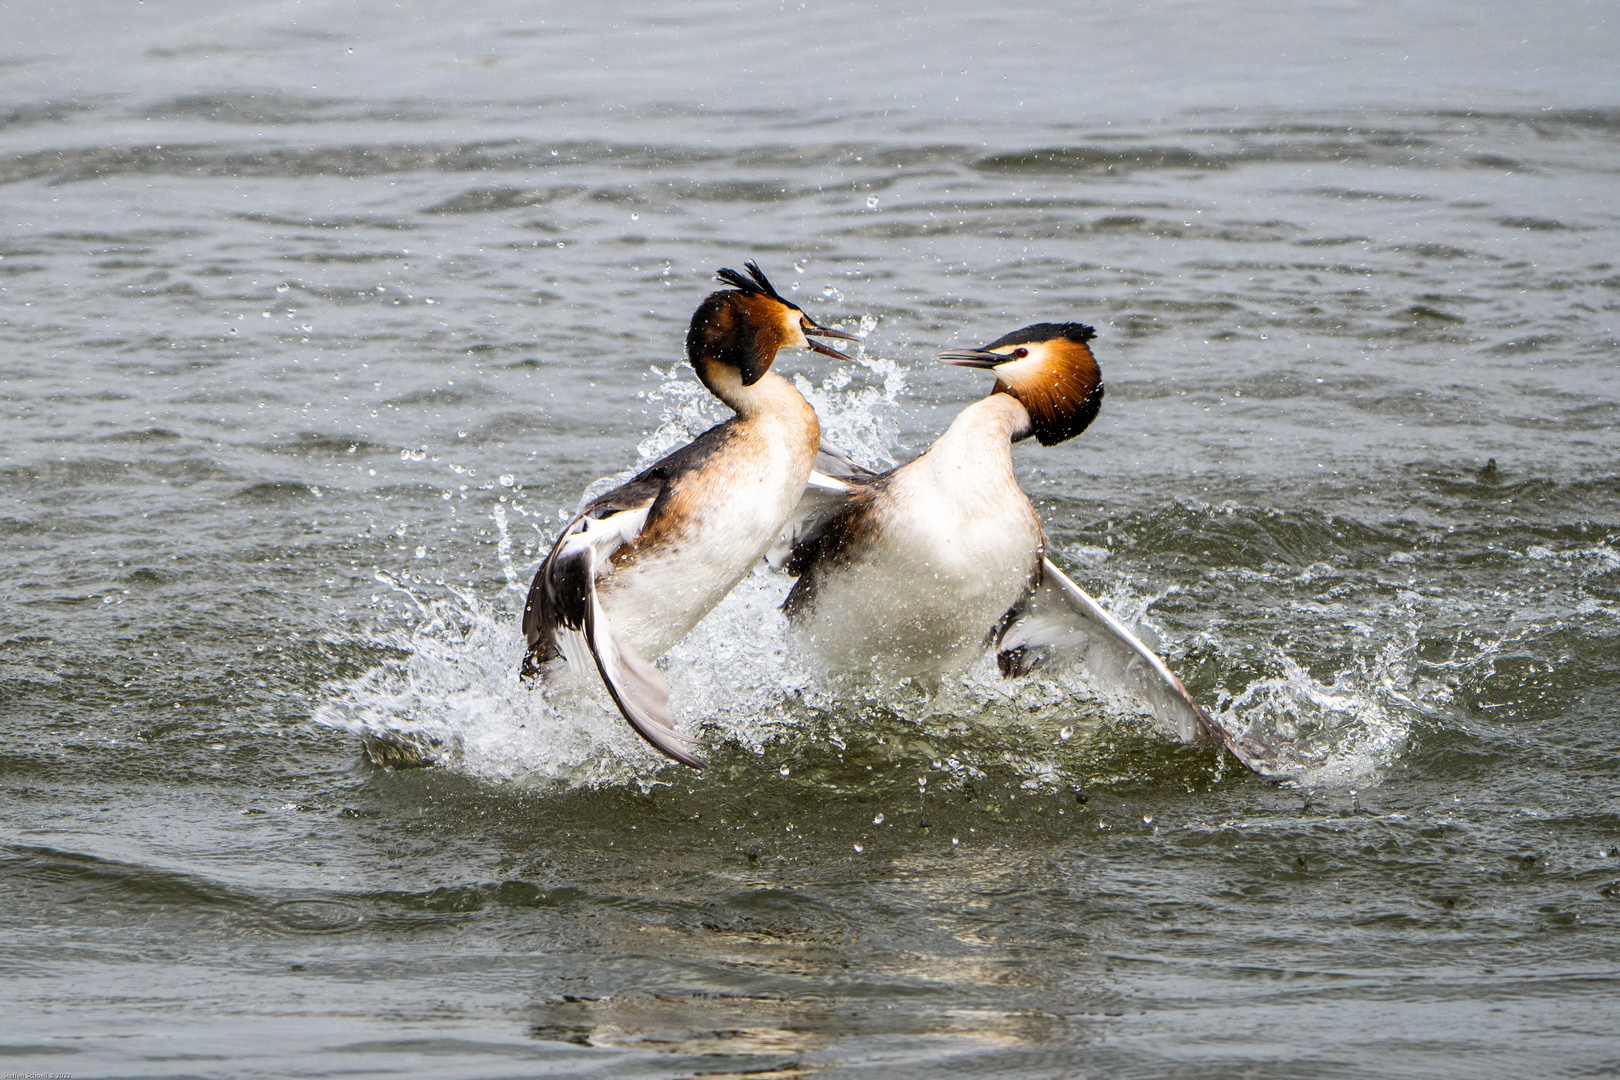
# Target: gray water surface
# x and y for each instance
(317, 319)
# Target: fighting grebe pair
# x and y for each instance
(912, 572)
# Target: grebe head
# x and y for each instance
(744, 326)
(1049, 368)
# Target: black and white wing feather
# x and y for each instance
(1059, 621)
(563, 617)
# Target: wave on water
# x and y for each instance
(452, 696)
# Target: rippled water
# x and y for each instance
(318, 319)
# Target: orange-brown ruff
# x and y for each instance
(1060, 385)
(914, 574)
(641, 565)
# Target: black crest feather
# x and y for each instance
(756, 282)
(1079, 333)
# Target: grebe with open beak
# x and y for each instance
(637, 569)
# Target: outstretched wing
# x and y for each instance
(1060, 621)
(564, 618)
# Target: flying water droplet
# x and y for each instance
(859, 849)
(1066, 734)
(784, 770)
(507, 479)
(878, 820)
(871, 202)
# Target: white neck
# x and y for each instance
(985, 430)
(771, 394)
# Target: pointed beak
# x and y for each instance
(974, 358)
(827, 350)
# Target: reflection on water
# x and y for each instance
(319, 323)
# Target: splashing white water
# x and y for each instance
(454, 698)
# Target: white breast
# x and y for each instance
(656, 600)
(957, 546)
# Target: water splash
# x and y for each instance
(453, 698)
(1327, 735)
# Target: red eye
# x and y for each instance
(1019, 354)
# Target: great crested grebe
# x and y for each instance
(640, 566)
(919, 571)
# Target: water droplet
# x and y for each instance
(507, 479)
(421, 552)
(635, 217)
(784, 770)
(282, 288)
(1147, 819)
(955, 841)
(859, 849)
(461, 434)
(878, 820)
(559, 243)
(798, 267)
(1066, 734)
(922, 781)
(871, 202)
